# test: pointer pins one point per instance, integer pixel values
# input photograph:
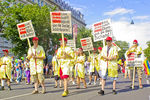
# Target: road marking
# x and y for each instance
(16, 96)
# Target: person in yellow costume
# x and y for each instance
(99, 63)
(94, 68)
(65, 54)
(80, 69)
(72, 66)
(56, 65)
(5, 69)
(36, 55)
(135, 48)
(109, 65)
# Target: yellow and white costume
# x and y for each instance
(111, 66)
(93, 63)
(80, 69)
(65, 63)
(36, 65)
(5, 70)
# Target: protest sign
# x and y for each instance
(87, 44)
(61, 22)
(101, 30)
(26, 30)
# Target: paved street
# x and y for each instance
(23, 92)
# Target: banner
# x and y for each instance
(61, 22)
(101, 30)
(26, 30)
(71, 43)
(75, 31)
(87, 44)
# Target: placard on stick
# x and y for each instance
(26, 30)
(102, 30)
(87, 44)
(61, 22)
(71, 43)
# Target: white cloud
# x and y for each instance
(141, 17)
(124, 31)
(119, 11)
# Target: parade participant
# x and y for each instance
(80, 70)
(127, 71)
(65, 54)
(55, 65)
(94, 68)
(72, 65)
(5, 70)
(99, 63)
(135, 48)
(109, 66)
(27, 71)
(19, 71)
(36, 55)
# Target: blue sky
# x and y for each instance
(121, 12)
(94, 10)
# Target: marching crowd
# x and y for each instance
(69, 65)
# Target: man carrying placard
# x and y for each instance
(135, 48)
(64, 55)
(109, 65)
(36, 55)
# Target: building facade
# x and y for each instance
(77, 16)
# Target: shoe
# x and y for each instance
(73, 83)
(35, 92)
(77, 87)
(100, 83)
(43, 91)
(65, 93)
(114, 92)
(55, 86)
(9, 88)
(89, 83)
(2, 88)
(101, 92)
(94, 83)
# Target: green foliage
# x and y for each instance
(147, 51)
(124, 46)
(18, 13)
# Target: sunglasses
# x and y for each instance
(108, 41)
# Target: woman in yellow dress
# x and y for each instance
(80, 69)
(5, 69)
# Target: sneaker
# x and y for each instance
(55, 86)
(9, 88)
(35, 92)
(89, 83)
(114, 92)
(73, 83)
(65, 93)
(100, 83)
(43, 91)
(101, 92)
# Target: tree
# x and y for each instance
(147, 51)
(124, 46)
(18, 13)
